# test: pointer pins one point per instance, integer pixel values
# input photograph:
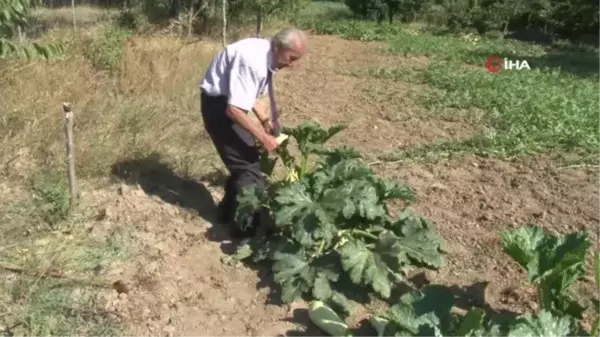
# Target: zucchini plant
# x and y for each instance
(428, 312)
(596, 327)
(334, 234)
(553, 263)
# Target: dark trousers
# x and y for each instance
(237, 149)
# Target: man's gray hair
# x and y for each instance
(288, 37)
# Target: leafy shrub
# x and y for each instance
(334, 236)
(572, 19)
(52, 198)
(132, 20)
(14, 16)
(106, 52)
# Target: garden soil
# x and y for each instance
(181, 285)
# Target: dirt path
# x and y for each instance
(181, 286)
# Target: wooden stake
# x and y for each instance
(73, 13)
(119, 285)
(224, 8)
(70, 149)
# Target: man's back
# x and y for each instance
(245, 55)
(231, 86)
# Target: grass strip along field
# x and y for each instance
(39, 234)
(550, 109)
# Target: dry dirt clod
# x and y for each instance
(121, 287)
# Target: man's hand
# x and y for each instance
(269, 142)
(260, 111)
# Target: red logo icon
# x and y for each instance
(494, 64)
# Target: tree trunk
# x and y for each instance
(175, 9)
(259, 22)
(224, 8)
(201, 5)
(191, 17)
(380, 16)
(73, 12)
(515, 11)
(390, 15)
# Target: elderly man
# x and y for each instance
(233, 82)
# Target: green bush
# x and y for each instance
(105, 53)
(570, 19)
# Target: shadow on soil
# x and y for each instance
(464, 297)
(262, 269)
(156, 178)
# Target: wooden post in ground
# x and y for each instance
(73, 13)
(70, 159)
(224, 8)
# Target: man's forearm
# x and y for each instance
(262, 117)
(239, 117)
(259, 111)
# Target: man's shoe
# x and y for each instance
(237, 233)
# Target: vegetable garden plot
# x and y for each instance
(553, 264)
(333, 237)
(334, 234)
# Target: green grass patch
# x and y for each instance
(348, 28)
(38, 232)
(525, 112)
(470, 49)
(45, 308)
(106, 51)
(552, 108)
(51, 197)
(476, 50)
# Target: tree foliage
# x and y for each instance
(204, 16)
(264, 8)
(13, 16)
(568, 19)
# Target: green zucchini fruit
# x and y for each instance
(326, 319)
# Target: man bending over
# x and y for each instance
(233, 82)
